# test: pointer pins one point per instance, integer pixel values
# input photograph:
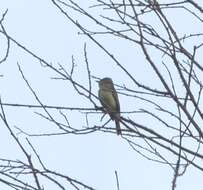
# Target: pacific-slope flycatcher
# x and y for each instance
(109, 100)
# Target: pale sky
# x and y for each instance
(93, 158)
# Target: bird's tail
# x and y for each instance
(118, 128)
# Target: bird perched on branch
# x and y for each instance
(109, 100)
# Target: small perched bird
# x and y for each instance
(109, 100)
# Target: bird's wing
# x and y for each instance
(115, 95)
(108, 100)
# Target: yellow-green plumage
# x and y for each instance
(109, 100)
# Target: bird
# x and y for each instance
(109, 100)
